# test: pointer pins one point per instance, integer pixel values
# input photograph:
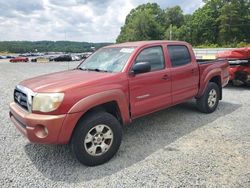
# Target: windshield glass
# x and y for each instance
(107, 59)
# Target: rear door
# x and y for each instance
(184, 72)
(152, 90)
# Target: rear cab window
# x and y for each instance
(179, 55)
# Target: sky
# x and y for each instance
(74, 20)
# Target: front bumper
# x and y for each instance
(43, 129)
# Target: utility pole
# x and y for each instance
(170, 32)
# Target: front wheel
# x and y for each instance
(96, 139)
(210, 99)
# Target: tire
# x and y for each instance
(208, 102)
(90, 145)
(248, 83)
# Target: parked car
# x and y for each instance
(33, 60)
(51, 58)
(76, 57)
(239, 60)
(63, 58)
(19, 59)
(3, 57)
(87, 106)
(10, 56)
(41, 59)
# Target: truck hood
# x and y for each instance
(61, 81)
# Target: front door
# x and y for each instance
(150, 91)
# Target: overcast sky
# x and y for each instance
(75, 20)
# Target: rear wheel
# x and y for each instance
(210, 99)
(96, 139)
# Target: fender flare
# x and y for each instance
(207, 78)
(82, 106)
(96, 99)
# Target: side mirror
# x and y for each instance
(141, 67)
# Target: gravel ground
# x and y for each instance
(176, 147)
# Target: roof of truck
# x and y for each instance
(142, 43)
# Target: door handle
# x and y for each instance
(192, 71)
(165, 77)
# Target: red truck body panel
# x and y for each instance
(239, 53)
(135, 95)
(235, 69)
(239, 60)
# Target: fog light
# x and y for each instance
(41, 131)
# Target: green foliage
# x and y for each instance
(174, 16)
(233, 45)
(217, 23)
(229, 18)
(172, 32)
(47, 46)
(143, 23)
(208, 46)
(242, 44)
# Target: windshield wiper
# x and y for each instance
(96, 70)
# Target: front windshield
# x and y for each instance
(111, 59)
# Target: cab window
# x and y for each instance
(152, 55)
(179, 55)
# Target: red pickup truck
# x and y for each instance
(88, 105)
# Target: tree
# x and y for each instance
(143, 23)
(223, 22)
(48, 46)
(204, 25)
(233, 21)
(174, 16)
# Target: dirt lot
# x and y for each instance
(176, 147)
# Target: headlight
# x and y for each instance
(47, 102)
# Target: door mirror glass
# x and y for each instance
(141, 67)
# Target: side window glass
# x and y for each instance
(179, 55)
(154, 56)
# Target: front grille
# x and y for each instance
(21, 99)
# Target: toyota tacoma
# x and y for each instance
(87, 106)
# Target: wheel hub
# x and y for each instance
(212, 98)
(98, 140)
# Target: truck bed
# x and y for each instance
(213, 67)
(205, 61)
